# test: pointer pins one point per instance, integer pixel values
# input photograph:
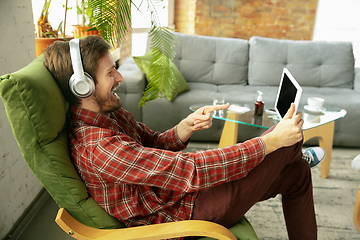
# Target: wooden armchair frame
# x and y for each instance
(157, 231)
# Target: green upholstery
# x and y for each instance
(242, 230)
(35, 108)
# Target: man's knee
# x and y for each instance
(305, 172)
(300, 173)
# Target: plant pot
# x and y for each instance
(81, 31)
(42, 43)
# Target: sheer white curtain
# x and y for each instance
(339, 20)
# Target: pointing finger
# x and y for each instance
(211, 108)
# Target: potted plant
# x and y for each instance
(46, 35)
(85, 27)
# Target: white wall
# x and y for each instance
(18, 185)
(339, 20)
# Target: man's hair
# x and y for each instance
(58, 62)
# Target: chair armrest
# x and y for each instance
(157, 231)
(357, 80)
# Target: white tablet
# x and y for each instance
(289, 92)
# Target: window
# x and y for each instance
(338, 20)
(141, 21)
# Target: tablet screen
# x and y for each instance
(289, 92)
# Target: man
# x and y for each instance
(142, 177)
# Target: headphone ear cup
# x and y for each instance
(81, 83)
(83, 88)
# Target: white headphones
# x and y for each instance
(81, 83)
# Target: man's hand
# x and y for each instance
(199, 120)
(286, 133)
(202, 118)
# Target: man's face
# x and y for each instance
(108, 79)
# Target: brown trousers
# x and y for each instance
(281, 172)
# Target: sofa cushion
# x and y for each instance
(317, 64)
(212, 59)
(144, 62)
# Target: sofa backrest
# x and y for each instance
(318, 64)
(212, 59)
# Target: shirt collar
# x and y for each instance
(92, 118)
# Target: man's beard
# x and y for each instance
(108, 105)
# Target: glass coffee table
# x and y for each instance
(318, 124)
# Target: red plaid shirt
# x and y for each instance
(140, 176)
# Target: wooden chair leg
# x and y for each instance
(325, 133)
(356, 216)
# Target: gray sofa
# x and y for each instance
(236, 69)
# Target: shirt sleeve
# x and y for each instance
(120, 159)
(168, 140)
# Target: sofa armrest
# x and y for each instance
(357, 80)
(132, 88)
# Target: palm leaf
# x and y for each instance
(111, 18)
(161, 79)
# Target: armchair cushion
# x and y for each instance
(35, 108)
(243, 230)
(144, 62)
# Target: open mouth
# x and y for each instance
(115, 87)
(113, 92)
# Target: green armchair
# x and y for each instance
(36, 110)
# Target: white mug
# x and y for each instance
(315, 103)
